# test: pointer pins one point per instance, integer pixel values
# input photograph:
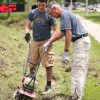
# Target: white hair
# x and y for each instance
(53, 4)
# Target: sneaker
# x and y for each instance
(47, 90)
(32, 76)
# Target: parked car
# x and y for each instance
(98, 8)
(80, 6)
(91, 7)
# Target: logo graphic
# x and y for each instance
(12, 8)
(4, 8)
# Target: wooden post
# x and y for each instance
(8, 8)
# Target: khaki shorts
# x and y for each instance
(36, 51)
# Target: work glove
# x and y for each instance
(65, 59)
(46, 46)
(27, 37)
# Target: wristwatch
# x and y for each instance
(66, 50)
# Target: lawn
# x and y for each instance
(93, 16)
(13, 49)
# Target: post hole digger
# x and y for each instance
(26, 92)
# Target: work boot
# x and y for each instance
(47, 90)
(72, 98)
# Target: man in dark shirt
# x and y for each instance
(42, 25)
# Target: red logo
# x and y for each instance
(4, 7)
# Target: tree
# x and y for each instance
(19, 1)
(2, 1)
(31, 2)
(89, 1)
(59, 1)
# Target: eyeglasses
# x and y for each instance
(50, 11)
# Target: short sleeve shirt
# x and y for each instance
(70, 21)
(42, 23)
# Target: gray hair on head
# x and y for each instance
(52, 4)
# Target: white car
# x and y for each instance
(97, 8)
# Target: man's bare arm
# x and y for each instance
(56, 34)
(68, 38)
(27, 26)
(55, 37)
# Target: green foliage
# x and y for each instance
(12, 1)
(2, 1)
(94, 16)
(14, 18)
(89, 1)
(31, 2)
(18, 1)
(59, 1)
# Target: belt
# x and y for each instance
(40, 40)
(76, 38)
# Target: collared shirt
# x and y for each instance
(70, 21)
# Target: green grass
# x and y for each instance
(11, 57)
(13, 50)
(14, 18)
(92, 89)
(93, 16)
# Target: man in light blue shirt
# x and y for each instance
(73, 31)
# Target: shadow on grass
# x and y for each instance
(58, 96)
(55, 97)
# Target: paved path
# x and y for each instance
(91, 27)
